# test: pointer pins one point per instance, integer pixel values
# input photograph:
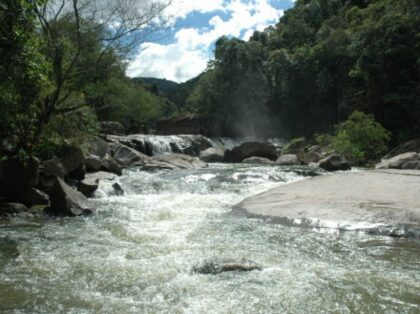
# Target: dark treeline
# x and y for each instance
(324, 60)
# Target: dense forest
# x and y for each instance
(62, 70)
(324, 60)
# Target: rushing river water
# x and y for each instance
(137, 254)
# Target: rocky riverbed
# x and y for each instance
(378, 202)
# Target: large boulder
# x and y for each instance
(109, 164)
(381, 202)
(311, 157)
(72, 158)
(413, 165)
(112, 127)
(288, 160)
(88, 186)
(53, 168)
(126, 156)
(174, 161)
(406, 147)
(67, 202)
(257, 161)
(49, 171)
(98, 147)
(17, 175)
(32, 197)
(7, 209)
(251, 149)
(334, 162)
(212, 154)
(93, 163)
(397, 162)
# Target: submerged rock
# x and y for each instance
(214, 268)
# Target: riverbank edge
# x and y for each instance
(382, 202)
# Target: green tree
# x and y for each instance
(360, 138)
(23, 77)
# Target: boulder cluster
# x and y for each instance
(62, 185)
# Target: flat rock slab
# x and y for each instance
(380, 202)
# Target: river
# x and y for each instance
(139, 252)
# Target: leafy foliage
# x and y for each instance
(23, 77)
(360, 138)
(321, 62)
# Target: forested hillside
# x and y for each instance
(322, 61)
(62, 68)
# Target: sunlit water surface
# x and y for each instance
(137, 254)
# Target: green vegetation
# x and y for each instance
(63, 69)
(321, 62)
(360, 138)
(61, 73)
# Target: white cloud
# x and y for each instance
(188, 56)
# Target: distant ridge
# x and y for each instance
(166, 87)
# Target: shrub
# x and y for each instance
(360, 138)
(295, 143)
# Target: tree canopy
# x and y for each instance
(322, 61)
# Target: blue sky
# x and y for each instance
(197, 24)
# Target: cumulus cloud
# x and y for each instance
(188, 55)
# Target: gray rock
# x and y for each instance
(406, 147)
(212, 154)
(98, 147)
(334, 162)
(8, 209)
(251, 149)
(53, 168)
(79, 173)
(288, 160)
(380, 202)
(67, 202)
(93, 163)
(109, 164)
(32, 197)
(72, 158)
(126, 156)
(257, 161)
(112, 127)
(174, 161)
(415, 164)
(88, 186)
(398, 161)
(17, 175)
(311, 157)
(214, 268)
(118, 190)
